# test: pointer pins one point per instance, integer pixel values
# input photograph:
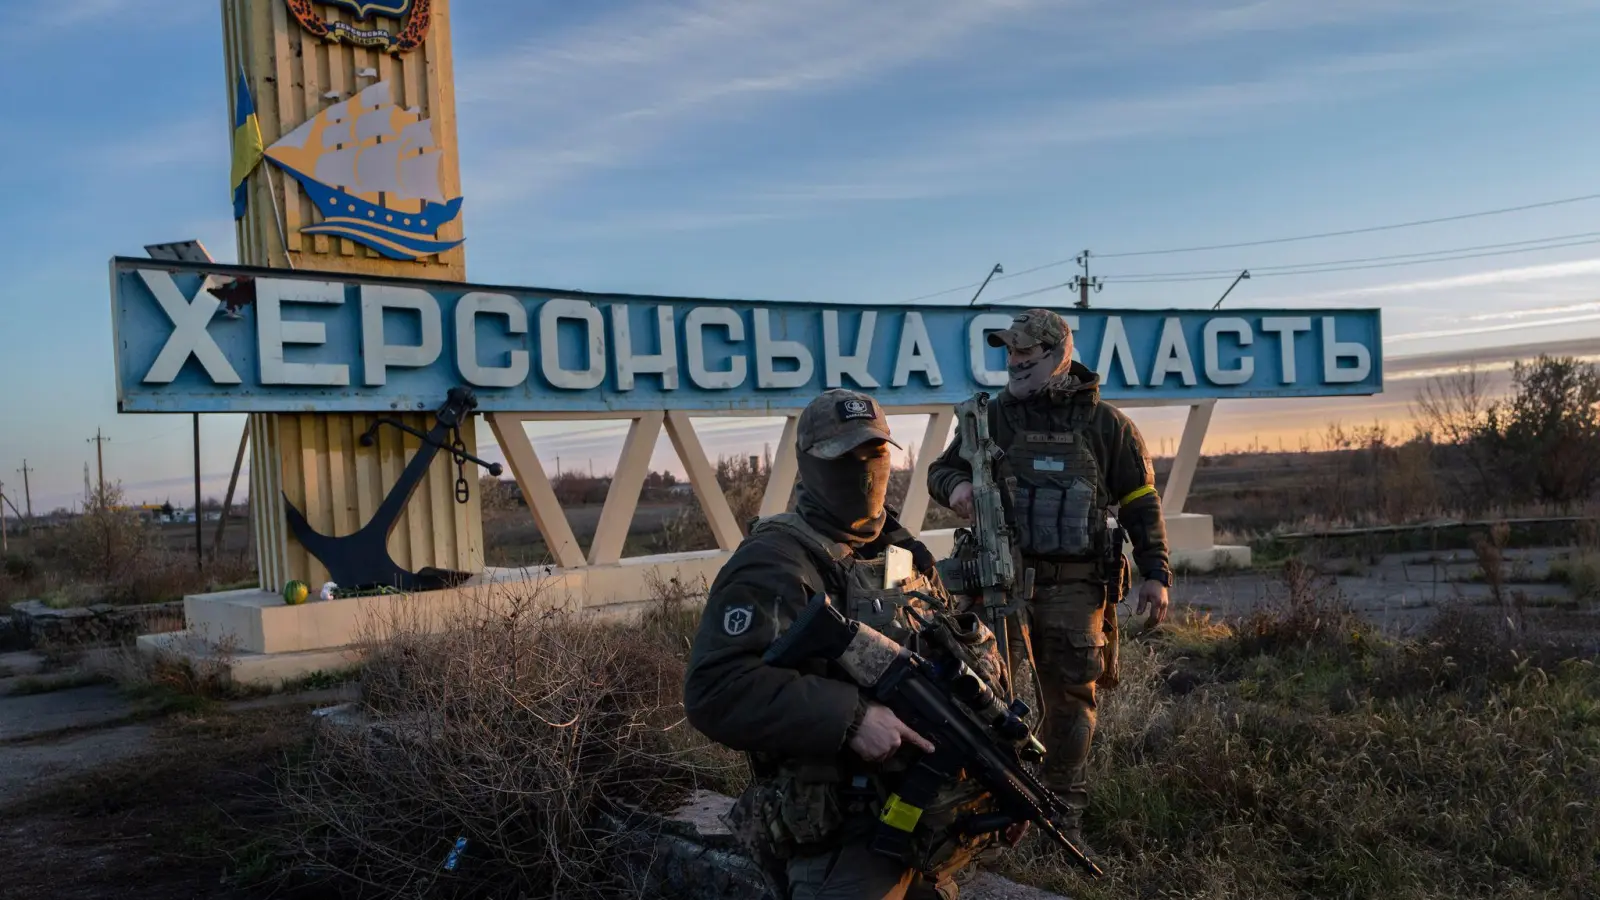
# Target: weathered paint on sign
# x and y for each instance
(329, 342)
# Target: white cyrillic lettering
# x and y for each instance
(836, 364)
(1172, 355)
(630, 364)
(1285, 327)
(189, 335)
(378, 353)
(978, 348)
(694, 347)
(272, 332)
(768, 349)
(1113, 346)
(550, 316)
(467, 311)
(1247, 365)
(916, 353)
(1334, 350)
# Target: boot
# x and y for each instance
(1070, 773)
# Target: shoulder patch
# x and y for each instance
(736, 620)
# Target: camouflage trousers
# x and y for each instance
(854, 872)
(1071, 648)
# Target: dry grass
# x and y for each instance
(519, 728)
(109, 555)
(1295, 753)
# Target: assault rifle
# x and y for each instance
(924, 694)
(984, 565)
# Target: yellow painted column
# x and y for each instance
(314, 459)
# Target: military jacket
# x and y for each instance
(793, 723)
(1069, 459)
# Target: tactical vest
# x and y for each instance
(1059, 498)
(804, 805)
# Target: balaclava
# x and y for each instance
(1029, 378)
(840, 495)
(843, 498)
(1037, 328)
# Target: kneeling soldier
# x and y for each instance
(824, 758)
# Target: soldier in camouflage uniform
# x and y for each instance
(1069, 459)
(822, 755)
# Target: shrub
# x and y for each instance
(522, 729)
(1463, 763)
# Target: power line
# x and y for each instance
(1383, 265)
(1281, 240)
(1362, 259)
(1403, 259)
(1368, 230)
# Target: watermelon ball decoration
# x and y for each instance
(295, 592)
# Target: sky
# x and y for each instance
(831, 151)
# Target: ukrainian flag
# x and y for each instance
(247, 146)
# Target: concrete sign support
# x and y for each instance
(312, 456)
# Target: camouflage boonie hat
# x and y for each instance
(1030, 327)
(839, 421)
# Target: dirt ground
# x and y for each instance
(107, 795)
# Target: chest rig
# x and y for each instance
(873, 591)
(1058, 494)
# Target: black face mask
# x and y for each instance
(844, 498)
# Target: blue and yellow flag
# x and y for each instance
(247, 146)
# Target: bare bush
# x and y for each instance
(743, 481)
(524, 730)
(1448, 766)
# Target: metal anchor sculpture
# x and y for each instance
(361, 560)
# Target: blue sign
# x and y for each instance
(207, 338)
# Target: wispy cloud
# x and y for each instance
(194, 140)
(616, 89)
(1489, 329)
(1491, 278)
(35, 21)
(624, 90)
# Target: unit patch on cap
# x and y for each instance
(856, 409)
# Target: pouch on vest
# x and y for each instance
(1058, 496)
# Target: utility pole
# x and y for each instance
(5, 545)
(199, 549)
(100, 456)
(1082, 283)
(27, 492)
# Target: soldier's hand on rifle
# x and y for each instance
(881, 734)
(961, 499)
(1152, 597)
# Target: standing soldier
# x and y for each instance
(820, 751)
(1068, 460)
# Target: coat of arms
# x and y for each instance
(415, 14)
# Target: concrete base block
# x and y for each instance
(1225, 557)
(269, 670)
(261, 639)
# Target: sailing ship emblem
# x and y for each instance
(372, 169)
(410, 36)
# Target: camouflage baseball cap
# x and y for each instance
(839, 421)
(1030, 327)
